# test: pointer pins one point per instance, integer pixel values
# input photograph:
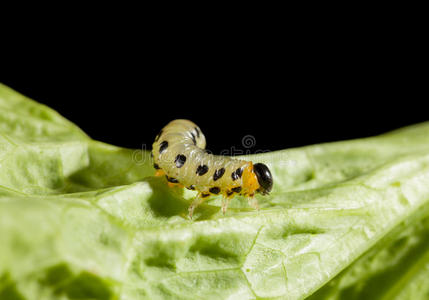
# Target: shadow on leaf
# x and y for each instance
(169, 202)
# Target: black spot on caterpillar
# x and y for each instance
(218, 174)
(214, 190)
(180, 160)
(179, 154)
(237, 174)
(163, 146)
(171, 179)
(236, 189)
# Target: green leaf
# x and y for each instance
(83, 219)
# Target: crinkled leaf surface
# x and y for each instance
(82, 219)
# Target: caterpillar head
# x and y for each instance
(265, 179)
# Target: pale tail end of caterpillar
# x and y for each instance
(178, 154)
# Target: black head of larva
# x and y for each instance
(265, 179)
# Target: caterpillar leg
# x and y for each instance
(225, 203)
(253, 202)
(197, 201)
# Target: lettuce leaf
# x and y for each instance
(83, 219)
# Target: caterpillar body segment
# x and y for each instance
(179, 155)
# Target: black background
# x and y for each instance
(285, 90)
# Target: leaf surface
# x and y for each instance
(83, 219)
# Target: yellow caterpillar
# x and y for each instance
(179, 155)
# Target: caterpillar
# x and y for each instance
(179, 154)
